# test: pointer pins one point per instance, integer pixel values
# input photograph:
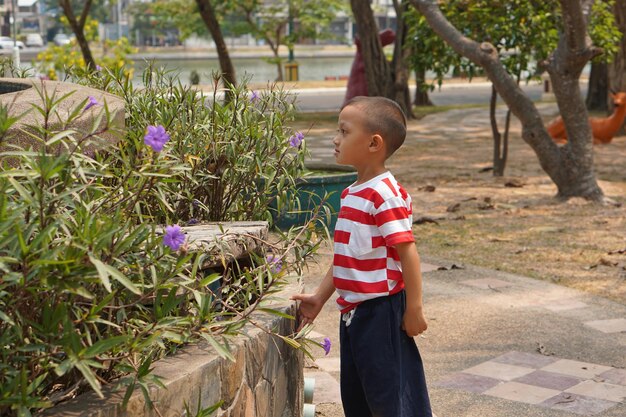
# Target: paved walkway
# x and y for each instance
(498, 345)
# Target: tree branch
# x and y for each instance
(485, 55)
(85, 13)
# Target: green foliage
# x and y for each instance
(269, 21)
(57, 60)
(226, 162)
(183, 15)
(194, 77)
(604, 31)
(99, 10)
(88, 291)
(162, 15)
(525, 33)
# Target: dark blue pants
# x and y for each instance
(382, 374)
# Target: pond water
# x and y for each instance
(258, 68)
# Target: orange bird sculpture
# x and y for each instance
(603, 129)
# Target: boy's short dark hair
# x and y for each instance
(384, 117)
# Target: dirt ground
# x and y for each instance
(512, 223)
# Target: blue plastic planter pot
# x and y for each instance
(311, 192)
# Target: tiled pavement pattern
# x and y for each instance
(561, 384)
(548, 382)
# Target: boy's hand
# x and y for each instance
(310, 306)
(414, 323)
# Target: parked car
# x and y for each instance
(34, 39)
(7, 43)
(61, 39)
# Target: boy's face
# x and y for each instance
(353, 139)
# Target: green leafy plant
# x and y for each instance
(226, 162)
(57, 60)
(93, 289)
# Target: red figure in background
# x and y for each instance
(357, 83)
(603, 129)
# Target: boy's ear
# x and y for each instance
(376, 143)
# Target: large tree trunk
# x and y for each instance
(500, 142)
(210, 20)
(617, 68)
(401, 72)
(597, 91)
(377, 68)
(279, 63)
(78, 26)
(570, 166)
(421, 93)
(385, 79)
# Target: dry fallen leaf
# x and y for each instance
(453, 266)
(515, 183)
(453, 208)
(486, 206)
(608, 262)
(617, 252)
(499, 239)
(425, 219)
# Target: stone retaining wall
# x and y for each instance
(265, 380)
(23, 95)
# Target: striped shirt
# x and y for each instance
(374, 217)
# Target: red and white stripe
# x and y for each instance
(374, 217)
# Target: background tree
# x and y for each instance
(157, 18)
(268, 21)
(429, 53)
(523, 34)
(207, 11)
(617, 68)
(384, 78)
(605, 32)
(193, 17)
(77, 17)
(570, 166)
(521, 31)
(399, 64)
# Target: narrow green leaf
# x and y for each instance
(6, 319)
(59, 136)
(90, 377)
(28, 198)
(221, 349)
(276, 313)
(105, 271)
(102, 272)
(104, 345)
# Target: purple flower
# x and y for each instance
(156, 137)
(254, 97)
(276, 265)
(98, 68)
(326, 345)
(92, 102)
(192, 221)
(296, 140)
(174, 237)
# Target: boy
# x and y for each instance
(375, 271)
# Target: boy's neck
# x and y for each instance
(366, 173)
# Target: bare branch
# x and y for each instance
(85, 13)
(485, 55)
